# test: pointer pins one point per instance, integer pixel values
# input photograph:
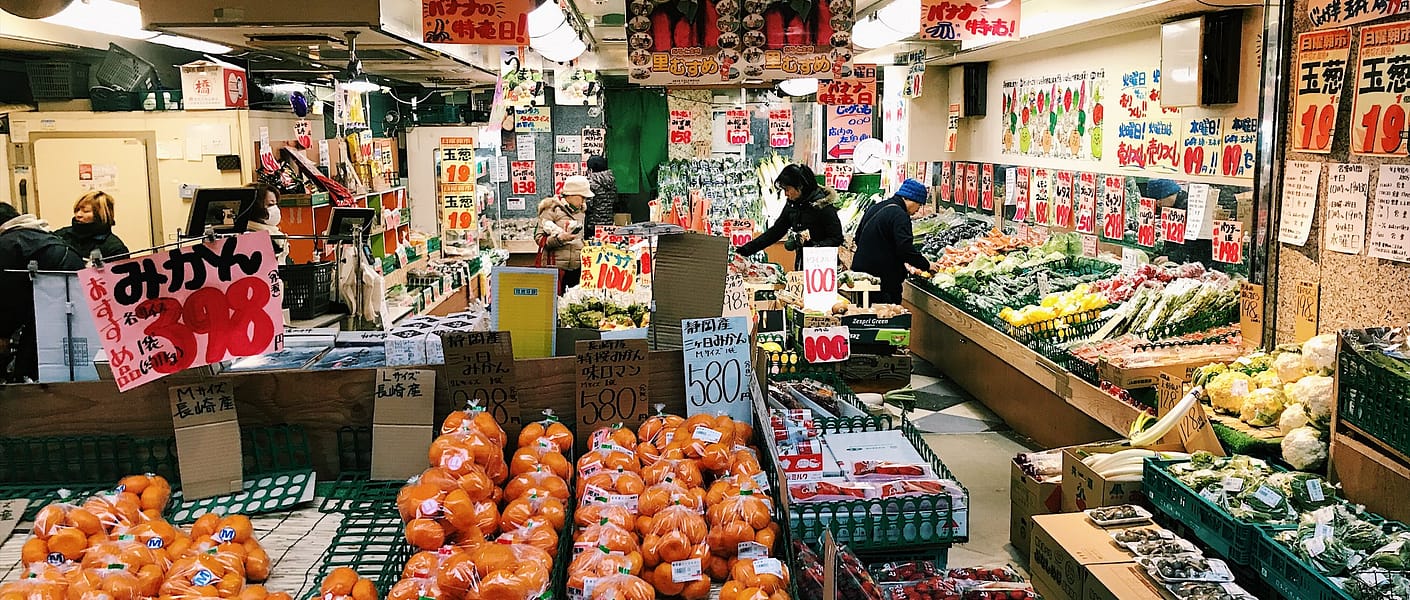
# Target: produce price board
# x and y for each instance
(1113, 207)
(608, 267)
(1321, 67)
(612, 383)
(987, 181)
(971, 176)
(1172, 225)
(946, 183)
(457, 160)
(1086, 198)
(819, 278)
(1040, 197)
(1390, 225)
(780, 127)
(680, 127)
(1228, 242)
(1145, 223)
(717, 367)
(187, 307)
(826, 344)
(479, 370)
(1020, 211)
(1063, 191)
(521, 177)
(1378, 119)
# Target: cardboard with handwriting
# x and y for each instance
(1251, 314)
(208, 448)
(10, 513)
(1194, 432)
(479, 369)
(612, 385)
(402, 422)
(1305, 315)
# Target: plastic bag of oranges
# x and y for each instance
(475, 482)
(685, 578)
(606, 534)
(203, 575)
(475, 419)
(41, 581)
(608, 457)
(745, 506)
(542, 482)
(602, 485)
(343, 583)
(550, 429)
(58, 538)
(601, 511)
(509, 572)
(435, 516)
(538, 534)
(542, 453)
(622, 586)
(618, 435)
(766, 575)
(592, 565)
(113, 581)
(153, 492)
(675, 519)
(683, 471)
(540, 507)
(146, 567)
(463, 450)
(231, 539)
(663, 495)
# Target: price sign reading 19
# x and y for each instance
(1378, 123)
(826, 344)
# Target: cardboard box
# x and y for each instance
(1029, 497)
(877, 367)
(871, 321)
(208, 439)
(568, 338)
(891, 446)
(1122, 581)
(802, 461)
(1063, 548)
(1083, 488)
(211, 84)
(1145, 377)
(900, 338)
(798, 320)
(402, 416)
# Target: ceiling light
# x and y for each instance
(353, 78)
(870, 33)
(903, 16)
(194, 45)
(799, 87)
(556, 38)
(107, 17)
(545, 19)
(996, 4)
(561, 53)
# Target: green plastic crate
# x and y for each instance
(1289, 575)
(370, 543)
(1062, 329)
(895, 525)
(1230, 537)
(356, 493)
(858, 419)
(1371, 397)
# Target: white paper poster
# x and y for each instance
(1199, 222)
(1348, 186)
(501, 169)
(568, 144)
(819, 278)
(1300, 179)
(524, 146)
(1390, 226)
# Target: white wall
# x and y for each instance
(421, 144)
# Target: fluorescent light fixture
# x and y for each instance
(870, 33)
(360, 86)
(558, 37)
(107, 17)
(798, 87)
(353, 79)
(562, 53)
(902, 16)
(545, 19)
(194, 45)
(997, 3)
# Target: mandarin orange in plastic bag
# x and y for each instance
(474, 419)
(519, 510)
(425, 534)
(544, 483)
(616, 435)
(623, 587)
(597, 511)
(685, 472)
(535, 533)
(746, 573)
(417, 589)
(619, 481)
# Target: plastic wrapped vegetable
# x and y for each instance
(344, 583)
(1304, 449)
(1319, 353)
(1306, 491)
(1262, 407)
(1314, 393)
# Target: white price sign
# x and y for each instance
(826, 344)
(819, 278)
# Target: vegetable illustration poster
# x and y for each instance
(708, 42)
(1055, 117)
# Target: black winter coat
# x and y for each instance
(602, 206)
(816, 215)
(86, 237)
(885, 244)
(18, 246)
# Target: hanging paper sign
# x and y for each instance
(1378, 119)
(819, 278)
(1086, 192)
(1145, 222)
(680, 131)
(915, 74)
(458, 207)
(1201, 145)
(826, 344)
(1114, 207)
(503, 23)
(1021, 195)
(1348, 186)
(1299, 205)
(739, 231)
(961, 191)
(561, 172)
(1062, 203)
(971, 185)
(946, 181)
(1172, 225)
(533, 119)
(717, 367)
(480, 369)
(1240, 141)
(952, 131)
(568, 144)
(969, 20)
(303, 133)
(860, 88)
(525, 148)
(737, 126)
(501, 169)
(187, 307)
(1390, 224)
(608, 267)
(846, 125)
(1040, 197)
(521, 177)
(1163, 145)
(457, 160)
(594, 142)
(1330, 13)
(1321, 72)
(987, 182)
(780, 127)
(1228, 241)
(837, 176)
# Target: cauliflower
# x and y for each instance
(1293, 417)
(1253, 364)
(1289, 367)
(1314, 393)
(1304, 449)
(1320, 352)
(1268, 379)
(1227, 390)
(1262, 407)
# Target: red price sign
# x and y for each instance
(1087, 203)
(737, 126)
(1229, 242)
(1114, 207)
(1378, 120)
(1041, 195)
(780, 127)
(1062, 191)
(521, 175)
(561, 172)
(1145, 223)
(826, 344)
(971, 181)
(1172, 225)
(946, 182)
(739, 231)
(1321, 61)
(680, 129)
(987, 183)
(608, 267)
(460, 219)
(1020, 211)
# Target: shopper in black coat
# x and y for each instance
(885, 241)
(25, 238)
(603, 204)
(92, 227)
(809, 219)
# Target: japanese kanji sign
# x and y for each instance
(968, 20)
(781, 127)
(458, 207)
(479, 369)
(1321, 73)
(737, 126)
(504, 22)
(1202, 143)
(717, 366)
(533, 119)
(1240, 141)
(613, 378)
(680, 132)
(860, 88)
(846, 125)
(457, 160)
(1378, 119)
(608, 266)
(207, 438)
(187, 307)
(946, 181)
(1330, 13)
(561, 172)
(521, 177)
(594, 142)
(1113, 207)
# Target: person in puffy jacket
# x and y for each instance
(560, 229)
(603, 203)
(25, 238)
(92, 227)
(809, 219)
(885, 241)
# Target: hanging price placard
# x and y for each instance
(479, 369)
(521, 177)
(457, 160)
(594, 142)
(613, 378)
(608, 267)
(780, 127)
(1228, 241)
(1172, 225)
(1086, 199)
(717, 367)
(1062, 203)
(680, 129)
(1145, 223)
(561, 172)
(458, 207)
(739, 231)
(1021, 194)
(946, 183)
(986, 201)
(826, 344)
(1113, 207)
(837, 176)
(860, 88)
(737, 126)
(1378, 119)
(1040, 198)
(1321, 73)
(971, 182)
(819, 278)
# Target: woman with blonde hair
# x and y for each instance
(92, 227)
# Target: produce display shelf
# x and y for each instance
(852, 412)
(1372, 398)
(1230, 537)
(1291, 576)
(894, 525)
(370, 543)
(1061, 329)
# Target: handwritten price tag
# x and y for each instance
(1041, 196)
(826, 344)
(1062, 192)
(1228, 241)
(612, 383)
(1020, 211)
(971, 176)
(737, 126)
(680, 127)
(780, 127)
(946, 183)
(1378, 119)
(1114, 208)
(987, 181)
(1086, 192)
(819, 278)
(1145, 223)
(1172, 225)
(716, 354)
(521, 174)
(479, 369)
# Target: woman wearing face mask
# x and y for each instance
(809, 219)
(92, 227)
(264, 216)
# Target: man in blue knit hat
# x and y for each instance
(885, 244)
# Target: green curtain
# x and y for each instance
(636, 138)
